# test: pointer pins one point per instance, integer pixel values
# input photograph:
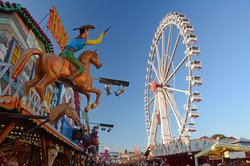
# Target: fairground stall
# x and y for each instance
(224, 154)
(179, 153)
(24, 129)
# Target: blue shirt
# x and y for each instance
(77, 43)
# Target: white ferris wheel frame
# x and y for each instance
(162, 99)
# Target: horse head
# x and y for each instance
(71, 113)
(90, 57)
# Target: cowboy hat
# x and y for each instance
(84, 27)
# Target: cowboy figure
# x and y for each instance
(77, 44)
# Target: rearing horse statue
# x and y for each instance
(50, 68)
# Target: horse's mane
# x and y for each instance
(84, 55)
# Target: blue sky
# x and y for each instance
(223, 34)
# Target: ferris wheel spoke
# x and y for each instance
(186, 92)
(172, 56)
(158, 59)
(176, 69)
(156, 72)
(162, 51)
(160, 63)
(168, 50)
(169, 39)
(152, 99)
(173, 106)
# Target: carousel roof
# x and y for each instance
(50, 129)
(8, 7)
(13, 106)
(219, 148)
(241, 140)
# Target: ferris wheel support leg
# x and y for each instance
(153, 129)
(166, 134)
(196, 161)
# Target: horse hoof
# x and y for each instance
(86, 109)
(92, 106)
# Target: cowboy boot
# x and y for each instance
(72, 76)
(78, 71)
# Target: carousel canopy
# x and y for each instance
(219, 149)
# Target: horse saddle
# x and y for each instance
(68, 67)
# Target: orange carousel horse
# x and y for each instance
(50, 68)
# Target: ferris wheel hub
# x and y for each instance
(153, 86)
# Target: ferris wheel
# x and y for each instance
(171, 79)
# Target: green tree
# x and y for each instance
(221, 136)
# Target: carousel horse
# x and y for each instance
(67, 109)
(50, 68)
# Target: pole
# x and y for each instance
(43, 18)
(196, 161)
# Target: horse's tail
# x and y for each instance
(18, 68)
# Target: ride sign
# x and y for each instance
(54, 99)
(57, 29)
